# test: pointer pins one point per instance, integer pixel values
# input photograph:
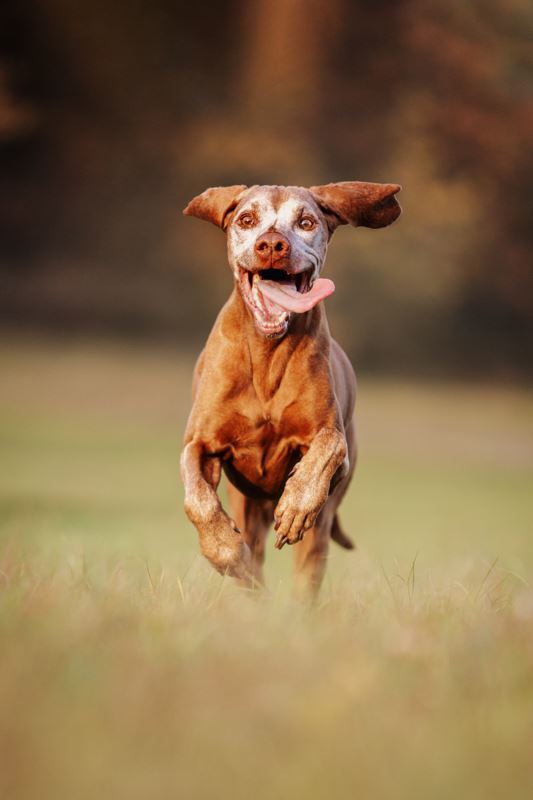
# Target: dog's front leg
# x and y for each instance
(221, 541)
(308, 487)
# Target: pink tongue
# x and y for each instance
(288, 297)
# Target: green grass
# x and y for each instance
(129, 669)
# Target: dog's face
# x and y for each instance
(276, 234)
(277, 227)
(277, 239)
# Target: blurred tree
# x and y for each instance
(113, 115)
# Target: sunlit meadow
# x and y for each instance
(129, 669)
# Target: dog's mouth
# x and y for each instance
(273, 294)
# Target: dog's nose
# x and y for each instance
(272, 245)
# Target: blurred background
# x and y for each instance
(116, 637)
(112, 115)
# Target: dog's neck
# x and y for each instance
(268, 358)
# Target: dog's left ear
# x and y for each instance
(216, 204)
(372, 205)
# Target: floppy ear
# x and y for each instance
(214, 205)
(372, 205)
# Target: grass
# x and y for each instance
(128, 669)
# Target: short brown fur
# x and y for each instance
(275, 414)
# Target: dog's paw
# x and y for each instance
(297, 509)
(225, 549)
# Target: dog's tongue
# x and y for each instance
(288, 297)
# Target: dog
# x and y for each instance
(273, 392)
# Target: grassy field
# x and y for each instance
(129, 669)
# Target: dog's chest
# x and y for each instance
(261, 449)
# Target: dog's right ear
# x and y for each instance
(215, 205)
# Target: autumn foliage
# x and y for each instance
(113, 115)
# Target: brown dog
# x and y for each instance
(273, 393)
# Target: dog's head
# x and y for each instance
(278, 238)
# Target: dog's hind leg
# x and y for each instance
(253, 518)
(310, 557)
(311, 553)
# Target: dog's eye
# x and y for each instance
(246, 220)
(307, 223)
